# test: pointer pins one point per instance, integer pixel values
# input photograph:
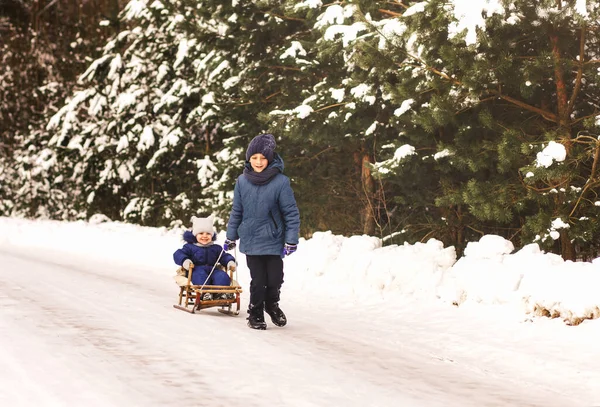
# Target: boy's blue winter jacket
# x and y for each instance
(203, 257)
(264, 217)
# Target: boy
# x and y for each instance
(201, 251)
(265, 218)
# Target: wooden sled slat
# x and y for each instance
(216, 287)
(190, 296)
(190, 310)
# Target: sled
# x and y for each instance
(190, 296)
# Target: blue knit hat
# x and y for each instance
(263, 144)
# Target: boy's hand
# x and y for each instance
(186, 264)
(229, 244)
(231, 266)
(289, 249)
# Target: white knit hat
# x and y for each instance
(200, 225)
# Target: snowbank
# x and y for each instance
(356, 267)
(360, 266)
(541, 283)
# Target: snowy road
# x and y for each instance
(76, 333)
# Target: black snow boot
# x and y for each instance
(276, 314)
(256, 317)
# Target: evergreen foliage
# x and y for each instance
(400, 119)
(489, 96)
(43, 48)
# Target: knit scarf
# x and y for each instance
(261, 178)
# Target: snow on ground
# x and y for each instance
(86, 319)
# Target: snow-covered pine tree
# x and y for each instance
(336, 122)
(256, 81)
(139, 141)
(485, 87)
(262, 32)
(443, 164)
(43, 48)
(159, 132)
(479, 116)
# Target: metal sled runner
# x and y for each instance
(190, 296)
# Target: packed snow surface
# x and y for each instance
(86, 318)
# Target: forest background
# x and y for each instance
(406, 120)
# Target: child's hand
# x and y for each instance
(229, 244)
(186, 264)
(231, 266)
(289, 249)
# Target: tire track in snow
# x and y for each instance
(82, 321)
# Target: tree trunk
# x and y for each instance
(566, 246)
(112, 11)
(562, 99)
(206, 141)
(35, 20)
(368, 189)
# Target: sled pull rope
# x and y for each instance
(236, 263)
(213, 269)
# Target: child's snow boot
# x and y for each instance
(256, 317)
(276, 314)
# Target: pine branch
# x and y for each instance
(591, 181)
(39, 13)
(549, 188)
(595, 164)
(331, 106)
(284, 17)
(583, 139)
(390, 13)
(514, 235)
(544, 113)
(315, 156)
(585, 117)
(285, 68)
(421, 64)
(470, 107)
(481, 232)
(428, 235)
(273, 94)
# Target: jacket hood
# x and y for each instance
(189, 237)
(276, 163)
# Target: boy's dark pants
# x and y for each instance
(266, 272)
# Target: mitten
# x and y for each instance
(289, 249)
(186, 264)
(229, 244)
(231, 266)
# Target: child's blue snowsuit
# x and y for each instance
(204, 258)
